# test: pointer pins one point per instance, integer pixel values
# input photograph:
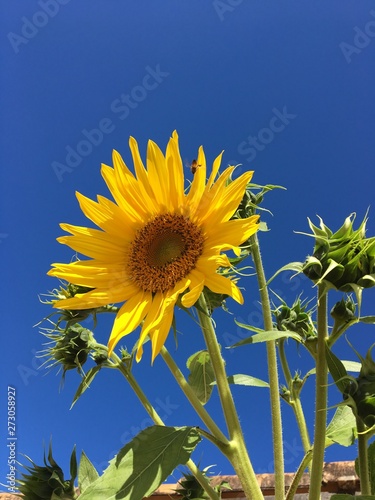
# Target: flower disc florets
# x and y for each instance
(164, 251)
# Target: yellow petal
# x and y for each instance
(91, 273)
(175, 173)
(232, 233)
(218, 284)
(159, 313)
(97, 298)
(129, 317)
(158, 174)
(195, 288)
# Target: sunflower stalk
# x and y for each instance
(294, 399)
(277, 430)
(363, 462)
(236, 452)
(321, 393)
(203, 481)
(220, 439)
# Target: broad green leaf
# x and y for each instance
(267, 336)
(87, 473)
(201, 375)
(143, 464)
(85, 383)
(241, 379)
(337, 370)
(342, 428)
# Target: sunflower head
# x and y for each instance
(158, 241)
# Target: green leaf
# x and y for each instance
(87, 473)
(249, 327)
(352, 366)
(241, 379)
(267, 336)
(201, 375)
(85, 383)
(337, 370)
(144, 463)
(367, 319)
(292, 266)
(342, 428)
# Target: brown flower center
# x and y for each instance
(164, 251)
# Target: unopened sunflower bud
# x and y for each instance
(343, 260)
(71, 347)
(46, 482)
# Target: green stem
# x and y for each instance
(158, 421)
(320, 398)
(294, 398)
(277, 431)
(193, 399)
(236, 451)
(338, 332)
(363, 464)
(298, 475)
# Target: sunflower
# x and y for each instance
(158, 242)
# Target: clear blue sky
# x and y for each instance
(286, 88)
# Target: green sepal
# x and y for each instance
(85, 382)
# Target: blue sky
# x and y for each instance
(285, 88)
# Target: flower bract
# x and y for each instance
(157, 242)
